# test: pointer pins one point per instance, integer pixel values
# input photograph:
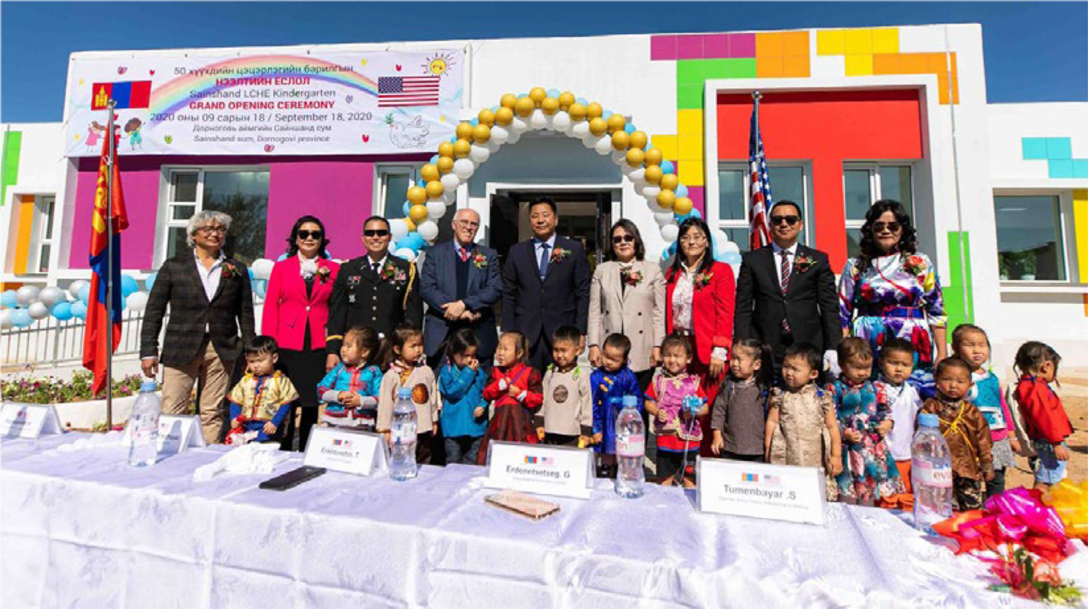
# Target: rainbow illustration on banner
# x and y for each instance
(177, 93)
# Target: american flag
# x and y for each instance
(408, 90)
(759, 233)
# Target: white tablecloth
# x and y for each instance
(78, 528)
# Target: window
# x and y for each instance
(1029, 238)
(787, 182)
(41, 232)
(242, 194)
(865, 184)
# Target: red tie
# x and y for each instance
(785, 284)
(464, 254)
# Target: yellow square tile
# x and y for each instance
(858, 42)
(689, 121)
(770, 67)
(769, 45)
(859, 65)
(668, 145)
(886, 40)
(830, 42)
(691, 146)
(691, 173)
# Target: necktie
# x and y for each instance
(785, 285)
(543, 260)
(374, 266)
(464, 254)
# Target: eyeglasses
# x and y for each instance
(207, 230)
(891, 227)
(695, 238)
(789, 220)
(310, 234)
(377, 232)
(618, 239)
(468, 224)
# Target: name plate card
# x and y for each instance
(547, 470)
(345, 450)
(176, 434)
(29, 420)
(761, 490)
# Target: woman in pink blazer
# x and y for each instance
(296, 309)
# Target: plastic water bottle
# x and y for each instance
(143, 427)
(402, 437)
(630, 449)
(930, 474)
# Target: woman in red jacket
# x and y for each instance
(296, 309)
(699, 294)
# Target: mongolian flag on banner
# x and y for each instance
(96, 347)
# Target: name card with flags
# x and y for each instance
(177, 433)
(548, 470)
(346, 450)
(761, 490)
(29, 420)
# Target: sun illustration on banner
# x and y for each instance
(438, 64)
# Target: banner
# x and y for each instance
(256, 103)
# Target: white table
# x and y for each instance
(78, 528)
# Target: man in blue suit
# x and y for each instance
(460, 282)
(545, 284)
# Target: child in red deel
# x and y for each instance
(1045, 420)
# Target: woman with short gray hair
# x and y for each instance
(211, 315)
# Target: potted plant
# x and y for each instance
(1026, 261)
(76, 407)
(1004, 264)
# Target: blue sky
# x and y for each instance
(1035, 51)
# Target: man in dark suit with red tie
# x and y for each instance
(786, 291)
(545, 284)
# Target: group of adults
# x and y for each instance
(785, 293)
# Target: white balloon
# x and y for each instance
(463, 168)
(589, 141)
(26, 295)
(663, 218)
(262, 268)
(499, 135)
(477, 153)
(5, 319)
(428, 230)
(650, 192)
(492, 147)
(514, 137)
(603, 145)
(580, 129)
(518, 125)
(730, 247)
(406, 254)
(720, 239)
(398, 228)
(638, 176)
(137, 301)
(619, 157)
(76, 286)
(435, 209)
(537, 120)
(561, 121)
(51, 296)
(449, 198)
(669, 232)
(450, 181)
(38, 310)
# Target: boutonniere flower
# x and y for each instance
(631, 277)
(803, 262)
(703, 279)
(915, 265)
(479, 260)
(230, 270)
(391, 272)
(559, 255)
(323, 273)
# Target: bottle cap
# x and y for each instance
(404, 393)
(927, 419)
(149, 386)
(630, 400)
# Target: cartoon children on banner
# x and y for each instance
(132, 128)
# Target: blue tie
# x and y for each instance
(543, 260)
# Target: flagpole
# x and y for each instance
(109, 265)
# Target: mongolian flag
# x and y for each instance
(96, 348)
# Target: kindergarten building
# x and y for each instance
(998, 193)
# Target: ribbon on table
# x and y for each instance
(1015, 517)
(1071, 502)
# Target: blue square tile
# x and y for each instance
(1034, 148)
(1061, 168)
(1080, 168)
(1058, 148)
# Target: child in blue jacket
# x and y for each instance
(349, 392)
(464, 410)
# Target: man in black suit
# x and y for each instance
(545, 284)
(786, 291)
(210, 299)
(377, 290)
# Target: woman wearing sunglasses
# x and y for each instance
(627, 296)
(296, 310)
(892, 290)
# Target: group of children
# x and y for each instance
(858, 427)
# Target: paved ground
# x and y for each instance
(1074, 394)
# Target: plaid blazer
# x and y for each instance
(178, 284)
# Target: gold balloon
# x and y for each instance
(634, 156)
(464, 130)
(525, 106)
(461, 148)
(486, 117)
(435, 188)
(429, 172)
(445, 164)
(682, 206)
(445, 149)
(577, 112)
(504, 116)
(654, 156)
(417, 213)
(653, 174)
(616, 122)
(620, 140)
(481, 133)
(598, 126)
(550, 105)
(508, 101)
(669, 181)
(537, 94)
(639, 139)
(666, 199)
(566, 98)
(408, 222)
(417, 195)
(594, 110)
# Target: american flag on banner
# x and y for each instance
(408, 90)
(759, 233)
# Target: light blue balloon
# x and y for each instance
(681, 191)
(553, 93)
(719, 257)
(128, 285)
(474, 122)
(606, 114)
(404, 208)
(582, 100)
(282, 256)
(667, 167)
(79, 309)
(453, 139)
(62, 311)
(8, 300)
(731, 258)
(680, 219)
(85, 295)
(630, 128)
(412, 241)
(433, 160)
(20, 318)
(260, 287)
(695, 213)
(494, 108)
(150, 281)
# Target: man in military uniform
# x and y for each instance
(378, 290)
